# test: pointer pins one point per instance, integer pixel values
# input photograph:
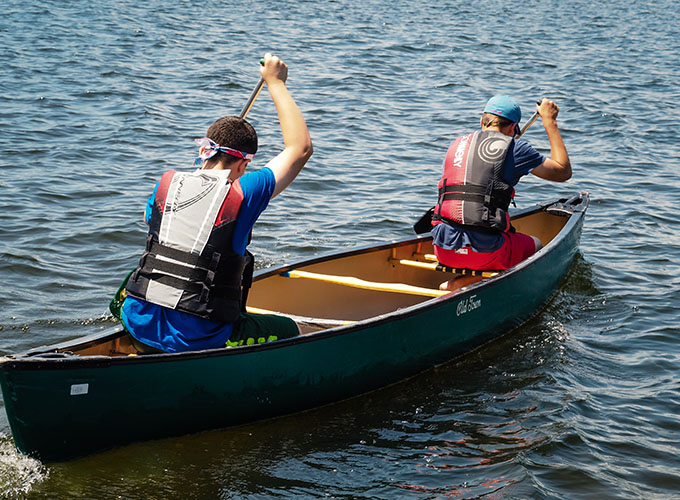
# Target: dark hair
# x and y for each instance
(491, 120)
(235, 133)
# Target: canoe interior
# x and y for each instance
(119, 345)
(318, 305)
(317, 299)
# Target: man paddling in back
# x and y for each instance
(186, 294)
(472, 227)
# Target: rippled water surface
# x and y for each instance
(97, 99)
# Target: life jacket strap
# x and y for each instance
(188, 271)
(463, 188)
(247, 280)
(195, 288)
(464, 192)
(466, 227)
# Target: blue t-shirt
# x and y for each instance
(521, 159)
(176, 331)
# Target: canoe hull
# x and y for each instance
(61, 408)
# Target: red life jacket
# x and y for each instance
(189, 263)
(472, 191)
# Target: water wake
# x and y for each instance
(18, 473)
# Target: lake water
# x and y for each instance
(98, 98)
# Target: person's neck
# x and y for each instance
(233, 168)
(496, 128)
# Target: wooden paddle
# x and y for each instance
(424, 224)
(116, 303)
(253, 96)
(530, 122)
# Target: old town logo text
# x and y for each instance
(468, 304)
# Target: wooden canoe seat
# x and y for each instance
(436, 266)
(426, 256)
(367, 285)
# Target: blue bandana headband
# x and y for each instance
(211, 148)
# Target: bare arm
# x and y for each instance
(557, 167)
(297, 142)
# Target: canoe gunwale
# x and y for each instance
(46, 357)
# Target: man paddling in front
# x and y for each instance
(187, 292)
(472, 227)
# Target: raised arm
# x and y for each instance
(557, 167)
(297, 142)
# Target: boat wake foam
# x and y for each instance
(18, 473)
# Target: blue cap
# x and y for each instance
(505, 106)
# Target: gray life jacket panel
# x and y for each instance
(189, 263)
(472, 191)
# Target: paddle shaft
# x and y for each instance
(529, 123)
(251, 99)
(253, 96)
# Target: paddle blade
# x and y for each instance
(424, 224)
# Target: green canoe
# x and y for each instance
(370, 317)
